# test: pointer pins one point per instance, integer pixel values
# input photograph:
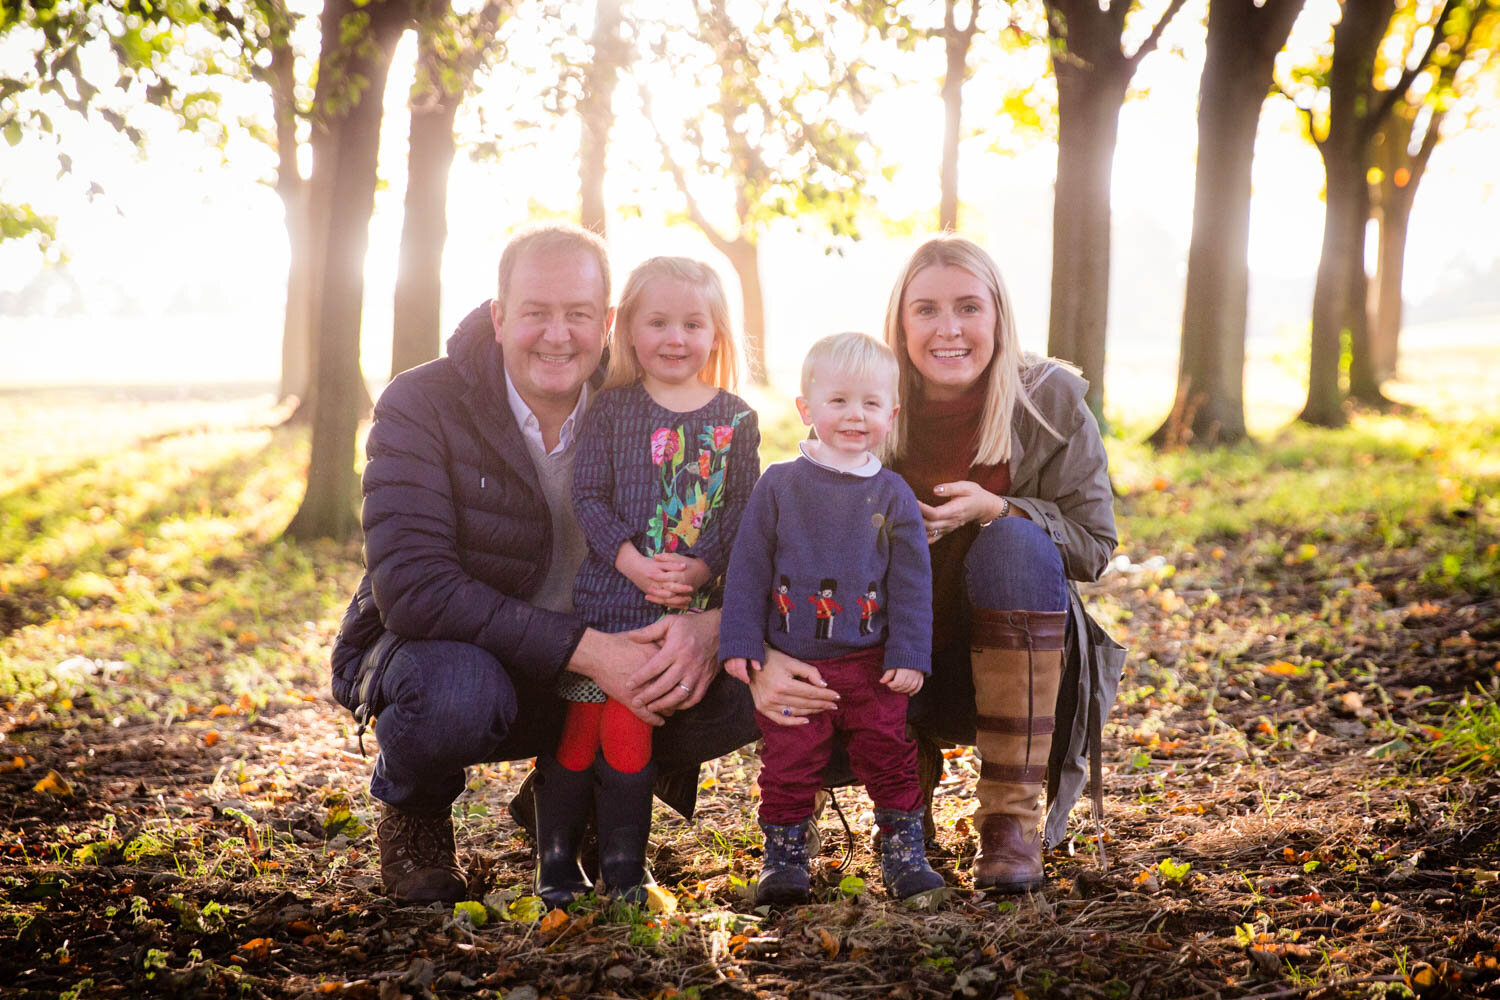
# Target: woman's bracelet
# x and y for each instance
(1004, 512)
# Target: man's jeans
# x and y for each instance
(448, 705)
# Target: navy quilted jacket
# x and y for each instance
(457, 533)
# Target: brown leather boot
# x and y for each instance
(1017, 663)
(418, 859)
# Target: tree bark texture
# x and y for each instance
(596, 112)
(1089, 101)
(1243, 40)
(1355, 40)
(292, 188)
(1391, 202)
(744, 257)
(417, 334)
(357, 47)
(956, 43)
(1092, 76)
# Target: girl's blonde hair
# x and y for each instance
(724, 366)
(1005, 388)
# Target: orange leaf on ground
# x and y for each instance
(221, 709)
(829, 943)
(1283, 668)
(554, 921)
(53, 784)
(211, 737)
(258, 949)
(14, 764)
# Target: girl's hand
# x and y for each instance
(903, 680)
(786, 691)
(671, 574)
(966, 502)
(739, 668)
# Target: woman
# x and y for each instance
(1008, 463)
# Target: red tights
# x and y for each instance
(607, 725)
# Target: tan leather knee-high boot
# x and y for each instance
(1016, 658)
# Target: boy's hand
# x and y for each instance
(739, 668)
(903, 680)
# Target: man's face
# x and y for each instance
(552, 326)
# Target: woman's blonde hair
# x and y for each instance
(1005, 388)
(724, 366)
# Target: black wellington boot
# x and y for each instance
(563, 800)
(622, 804)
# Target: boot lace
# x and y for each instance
(422, 841)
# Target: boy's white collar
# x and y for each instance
(871, 466)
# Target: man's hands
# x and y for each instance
(666, 579)
(903, 680)
(684, 662)
(786, 691)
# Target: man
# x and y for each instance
(464, 617)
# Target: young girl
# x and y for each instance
(667, 457)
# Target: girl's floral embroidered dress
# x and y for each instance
(665, 481)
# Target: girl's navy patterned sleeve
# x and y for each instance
(908, 581)
(739, 479)
(594, 482)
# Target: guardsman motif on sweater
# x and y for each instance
(825, 608)
(867, 608)
(783, 599)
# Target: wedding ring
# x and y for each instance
(686, 688)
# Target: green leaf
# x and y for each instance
(13, 133)
(1173, 869)
(472, 911)
(851, 885)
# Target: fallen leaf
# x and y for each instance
(14, 764)
(211, 737)
(53, 784)
(553, 922)
(660, 901)
(256, 949)
(829, 943)
(474, 912)
(1283, 668)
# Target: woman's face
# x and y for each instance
(949, 318)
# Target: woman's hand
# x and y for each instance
(966, 502)
(787, 691)
(678, 673)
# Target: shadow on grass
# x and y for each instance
(35, 601)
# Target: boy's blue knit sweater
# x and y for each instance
(828, 562)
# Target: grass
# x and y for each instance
(1310, 704)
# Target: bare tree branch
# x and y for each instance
(680, 178)
(1372, 120)
(1152, 40)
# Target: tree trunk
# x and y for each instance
(1089, 99)
(292, 188)
(346, 160)
(417, 334)
(1356, 38)
(1364, 387)
(1391, 203)
(596, 113)
(1242, 44)
(1393, 219)
(956, 42)
(744, 257)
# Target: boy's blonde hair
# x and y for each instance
(724, 366)
(1006, 386)
(857, 354)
